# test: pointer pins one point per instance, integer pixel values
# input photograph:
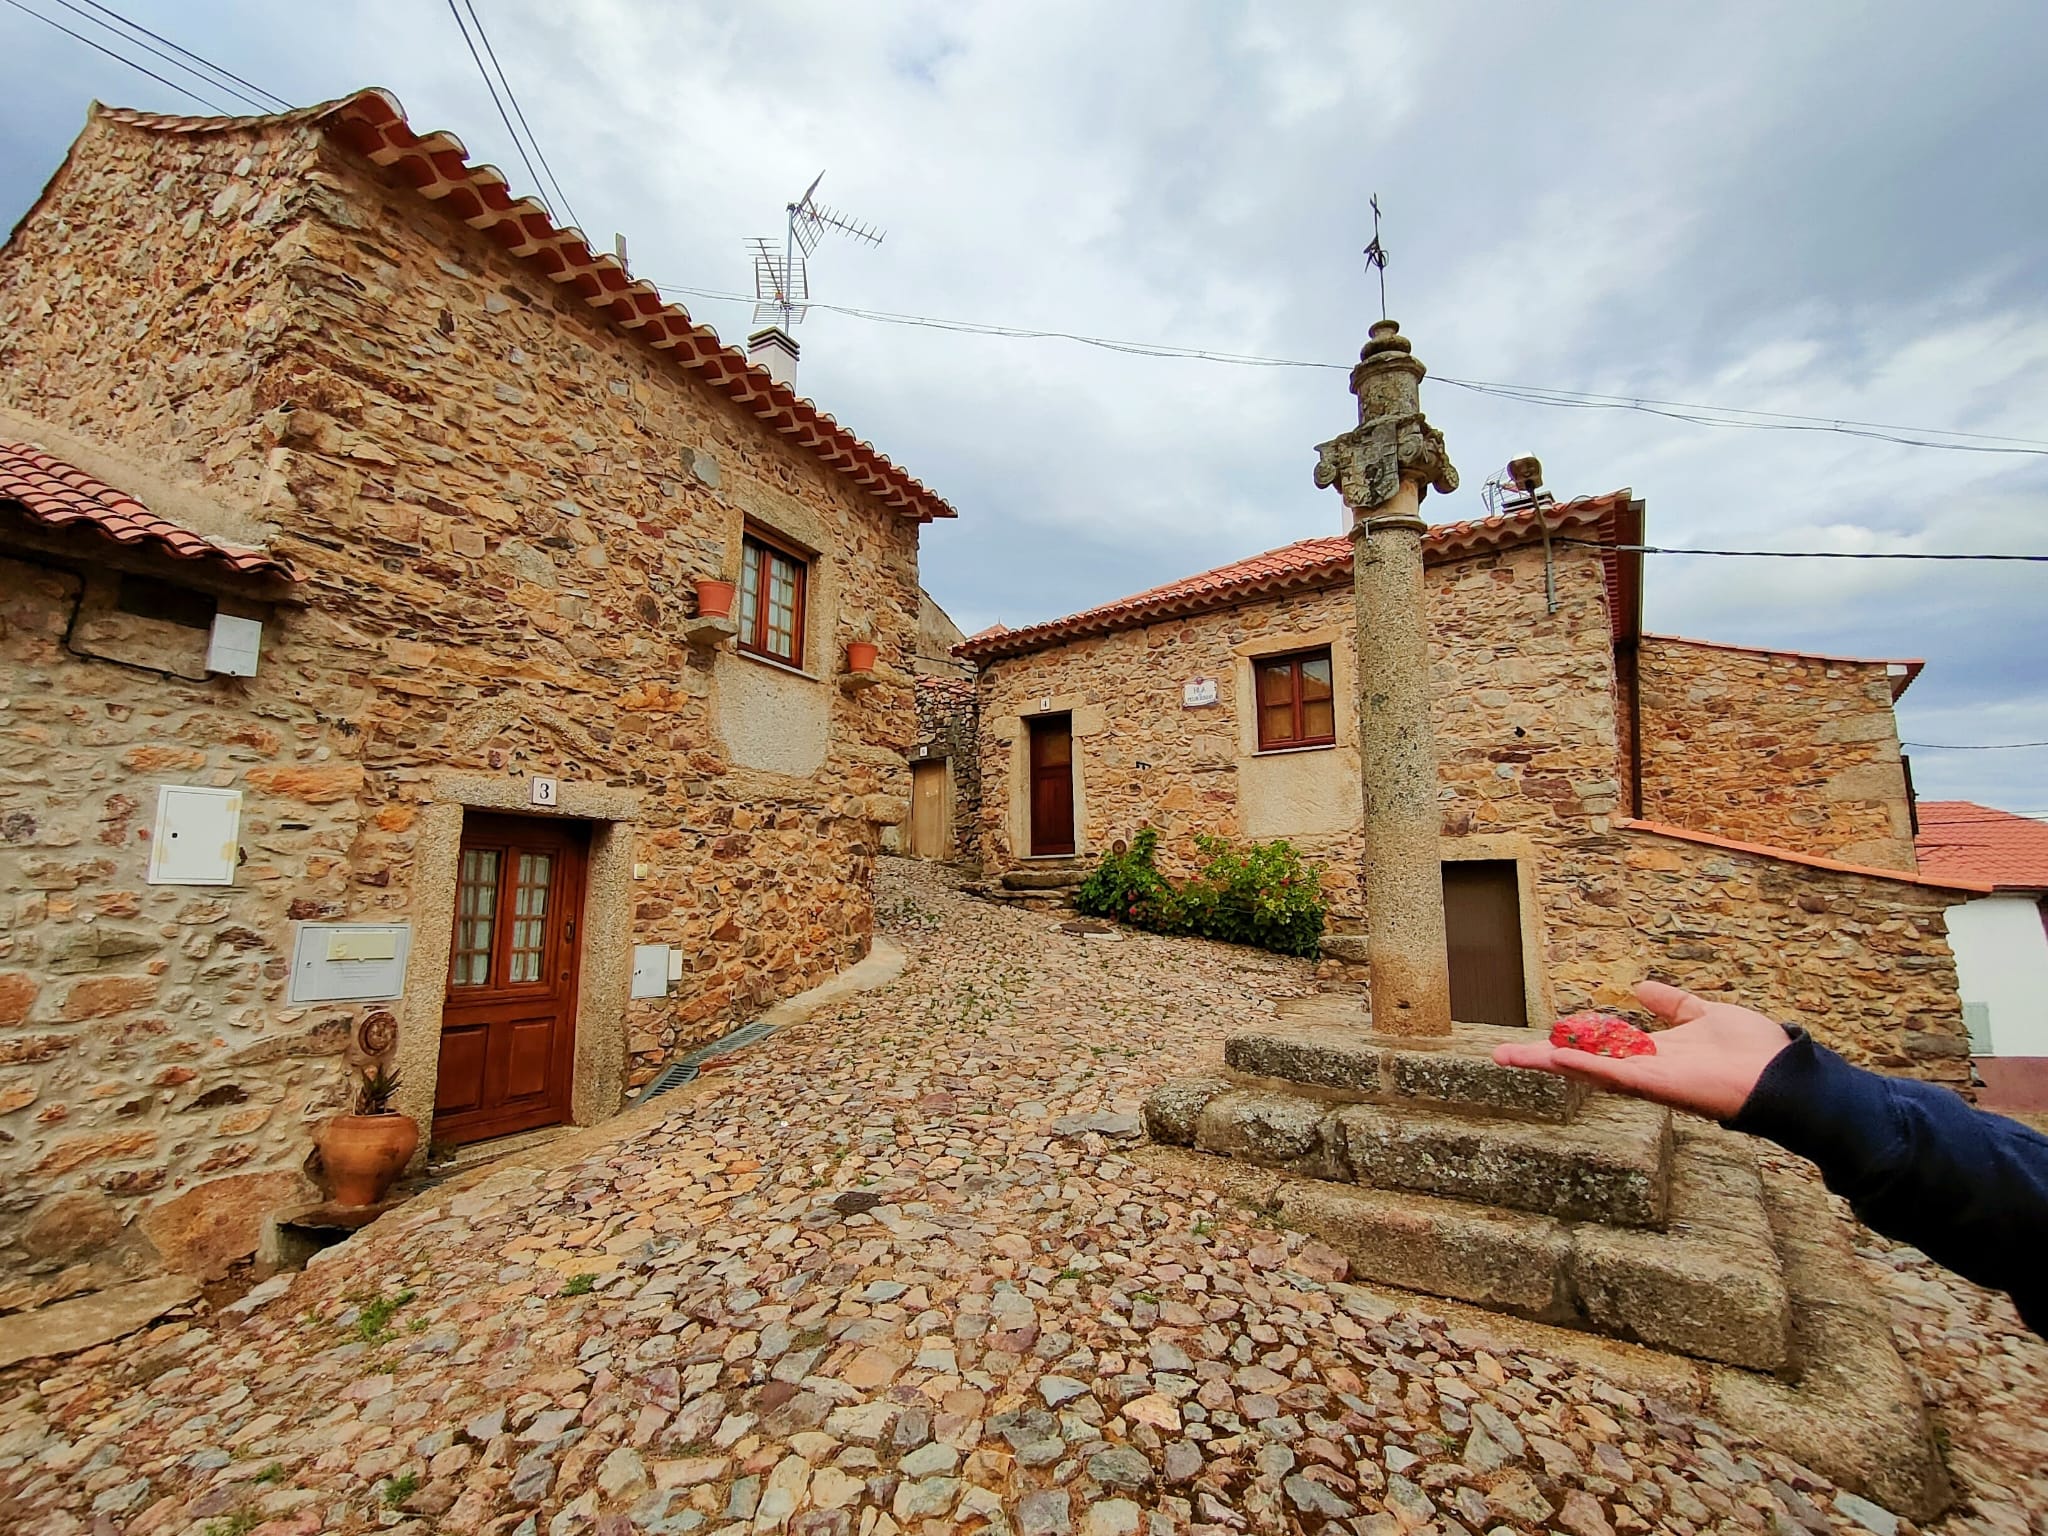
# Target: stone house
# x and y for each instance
(1614, 803)
(945, 771)
(357, 698)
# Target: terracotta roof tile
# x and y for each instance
(1927, 877)
(1324, 562)
(60, 495)
(372, 123)
(1978, 842)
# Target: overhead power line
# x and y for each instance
(1981, 746)
(520, 113)
(1676, 410)
(122, 58)
(505, 117)
(227, 78)
(1796, 554)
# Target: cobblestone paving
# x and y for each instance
(872, 1278)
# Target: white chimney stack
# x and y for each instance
(775, 350)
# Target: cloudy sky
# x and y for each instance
(1829, 210)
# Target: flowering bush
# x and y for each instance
(1262, 894)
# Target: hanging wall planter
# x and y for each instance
(714, 599)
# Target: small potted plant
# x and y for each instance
(714, 599)
(860, 645)
(364, 1153)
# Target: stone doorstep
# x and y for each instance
(1847, 1407)
(1057, 877)
(1611, 1163)
(1352, 1065)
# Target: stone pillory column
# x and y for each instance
(1382, 467)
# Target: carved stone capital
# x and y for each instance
(1392, 442)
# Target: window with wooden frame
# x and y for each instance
(1296, 702)
(773, 582)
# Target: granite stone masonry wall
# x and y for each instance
(1862, 962)
(946, 728)
(1530, 749)
(1523, 707)
(499, 506)
(1798, 752)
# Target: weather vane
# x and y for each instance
(1376, 254)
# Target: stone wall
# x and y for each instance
(1530, 743)
(1863, 962)
(1794, 751)
(1524, 712)
(499, 506)
(946, 727)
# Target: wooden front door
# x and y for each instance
(928, 838)
(1052, 784)
(508, 1026)
(1483, 932)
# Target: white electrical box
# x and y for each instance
(197, 838)
(349, 962)
(650, 970)
(234, 645)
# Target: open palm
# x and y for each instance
(1707, 1061)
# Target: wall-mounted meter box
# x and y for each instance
(651, 970)
(349, 962)
(196, 840)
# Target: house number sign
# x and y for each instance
(545, 791)
(1197, 692)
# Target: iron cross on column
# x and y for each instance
(1376, 254)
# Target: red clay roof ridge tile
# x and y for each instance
(372, 123)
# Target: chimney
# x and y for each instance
(775, 350)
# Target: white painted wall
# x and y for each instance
(2002, 962)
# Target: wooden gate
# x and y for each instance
(508, 1025)
(1483, 931)
(928, 829)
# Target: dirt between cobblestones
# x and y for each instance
(860, 1282)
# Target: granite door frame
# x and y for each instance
(604, 945)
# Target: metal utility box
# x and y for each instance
(349, 962)
(196, 840)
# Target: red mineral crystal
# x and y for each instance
(1601, 1034)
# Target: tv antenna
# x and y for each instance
(782, 283)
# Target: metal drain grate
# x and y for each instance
(684, 1067)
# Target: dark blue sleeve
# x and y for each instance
(1967, 1188)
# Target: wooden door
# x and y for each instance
(508, 1025)
(1483, 930)
(928, 838)
(1052, 784)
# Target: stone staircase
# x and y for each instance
(1044, 884)
(1430, 1167)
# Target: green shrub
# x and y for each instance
(1262, 894)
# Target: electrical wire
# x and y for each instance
(1675, 410)
(520, 113)
(182, 90)
(228, 78)
(489, 85)
(1982, 746)
(1796, 554)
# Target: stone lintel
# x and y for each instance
(1455, 1069)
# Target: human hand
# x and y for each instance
(1707, 1062)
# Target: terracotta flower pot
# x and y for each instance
(860, 656)
(714, 599)
(363, 1155)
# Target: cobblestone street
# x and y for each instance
(876, 1274)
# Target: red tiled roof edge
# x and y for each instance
(1313, 563)
(1913, 664)
(60, 495)
(1982, 842)
(1789, 856)
(372, 123)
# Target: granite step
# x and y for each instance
(1354, 1066)
(1610, 1162)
